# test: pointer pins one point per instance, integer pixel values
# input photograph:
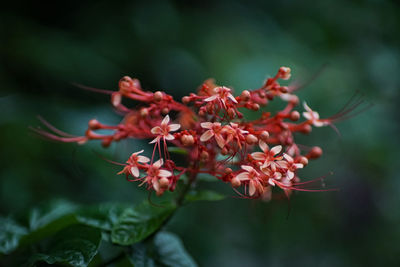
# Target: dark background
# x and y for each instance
(174, 46)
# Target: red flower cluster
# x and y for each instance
(256, 155)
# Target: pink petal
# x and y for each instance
(264, 147)
(169, 137)
(232, 98)
(211, 98)
(156, 185)
(174, 127)
(243, 176)
(299, 165)
(276, 149)
(136, 153)
(135, 171)
(156, 130)
(164, 173)
(247, 168)
(288, 158)
(258, 156)
(206, 136)
(271, 182)
(220, 140)
(143, 159)
(116, 99)
(306, 107)
(206, 125)
(165, 120)
(307, 116)
(290, 175)
(158, 163)
(154, 140)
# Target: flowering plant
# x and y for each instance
(209, 128)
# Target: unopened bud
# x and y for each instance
(284, 73)
(204, 155)
(164, 182)
(94, 124)
(158, 96)
(245, 95)
(255, 107)
(106, 142)
(228, 170)
(125, 84)
(144, 112)
(251, 139)
(185, 100)
(303, 160)
(235, 182)
(187, 140)
(294, 115)
(306, 129)
(264, 136)
(165, 111)
(284, 89)
(202, 112)
(314, 153)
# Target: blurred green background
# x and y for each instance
(174, 46)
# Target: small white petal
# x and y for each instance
(288, 158)
(220, 140)
(290, 175)
(206, 136)
(306, 107)
(232, 98)
(271, 182)
(156, 130)
(139, 152)
(276, 149)
(211, 98)
(143, 159)
(169, 137)
(299, 165)
(164, 173)
(174, 127)
(258, 156)
(165, 121)
(243, 176)
(158, 163)
(264, 147)
(154, 140)
(135, 171)
(247, 168)
(307, 115)
(206, 125)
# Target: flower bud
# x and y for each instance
(284, 89)
(314, 153)
(245, 95)
(302, 160)
(116, 99)
(284, 73)
(235, 182)
(251, 139)
(264, 136)
(306, 129)
(144, 112)
(204, 156)
(228, 170)
(187, 140)
(164, 182)
(158, 96)
(165, 111)
(294, 115)
(185, 100)
(94, 124)
(255, 107)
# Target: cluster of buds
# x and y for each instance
(253, 156)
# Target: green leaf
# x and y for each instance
(177, 150)
(207, 195)
(102, 216)
(44, 215)
(171, 252)
(135, 224)
(48, 219)
(74, 246)
(10, 234)
(139, 256)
